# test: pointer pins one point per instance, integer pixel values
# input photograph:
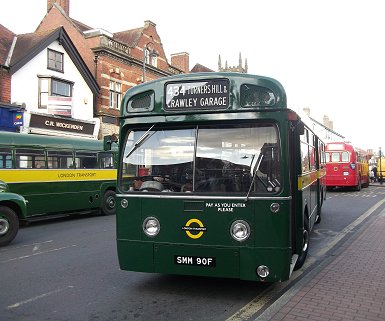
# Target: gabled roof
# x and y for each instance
(200, 68)
(29, 45)
(81, 26)
(325, 127)
(129, 37)
(6, 39)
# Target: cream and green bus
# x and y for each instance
(56, 176)
(217, 177)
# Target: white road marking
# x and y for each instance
(25, 245)
(38, 253)
(18, 304)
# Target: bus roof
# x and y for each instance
(341, 146)
(39, 141)
(204, 92)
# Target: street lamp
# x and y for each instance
(147, 53)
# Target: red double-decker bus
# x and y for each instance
(346, 166)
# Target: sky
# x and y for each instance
(328, 54)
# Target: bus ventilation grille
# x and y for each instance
(141, 102)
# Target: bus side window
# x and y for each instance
(312, 158)
(305, 151)
(305, 157)
(106, 160)
(60, 159)
(86, 160)
(5, 158)
(30, 158)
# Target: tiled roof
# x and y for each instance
(129, 37)
(81, 26)
(26, 43)
(201, 68)
(30, 44)
(6, 38)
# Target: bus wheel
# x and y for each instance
(9, 225)
(305, 246)
(108, 206)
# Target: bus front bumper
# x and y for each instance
(201, 260)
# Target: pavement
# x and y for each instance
(348, 285)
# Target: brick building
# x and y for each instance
(115, 59)
(5, 78)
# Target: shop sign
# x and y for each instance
(17, 119)
(61, 124)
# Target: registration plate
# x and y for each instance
(195, 260)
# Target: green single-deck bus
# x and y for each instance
(12, 206)
(216, 177)
(56, 176)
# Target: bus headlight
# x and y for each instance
(151, 226)
(240, 230)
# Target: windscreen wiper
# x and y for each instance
(254, 175)
(140, 141)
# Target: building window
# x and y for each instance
(53, 87)
(55, 60)
(147, 55)
(154, 61)
(151, 57)
(60, 88)
(43, 92)
(115, 94)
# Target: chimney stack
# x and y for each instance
(327, 122)
(181, 61)
(306, 110)
(64, 4)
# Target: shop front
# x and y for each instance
(11, 117)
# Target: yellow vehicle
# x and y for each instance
(381, 169)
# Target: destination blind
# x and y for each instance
(205, 94)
